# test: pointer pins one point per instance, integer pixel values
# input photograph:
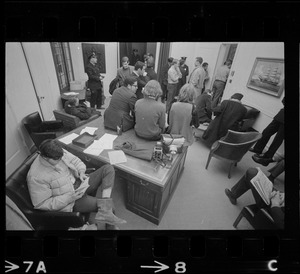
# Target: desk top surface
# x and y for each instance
(147, 170)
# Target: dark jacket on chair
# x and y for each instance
(229, 113)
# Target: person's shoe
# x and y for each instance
(230, 196)
(111, 227)
(105, 212)
(252, 149)
(261, 160)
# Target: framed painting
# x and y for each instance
(267, 76)
(99, 50)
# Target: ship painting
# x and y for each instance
(271, 76)
(267, 76)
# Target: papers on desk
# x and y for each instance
(68, 139)
(117, 157)
(90, 130)
(105, 142)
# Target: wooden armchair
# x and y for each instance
(232, 147)
(259, 218)
(71, 121)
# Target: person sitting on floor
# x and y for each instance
(150, 113)
(276, 207)
(228, 115)
(183, 115)
(203, 107)
(82, 111)
(54, 177)
(120, 111)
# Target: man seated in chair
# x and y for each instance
(56, 174)
(276, 206)
(82, 111)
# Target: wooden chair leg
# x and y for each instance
(238, 219)
(208, 160)
(229, 172)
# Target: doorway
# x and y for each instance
(126, 49)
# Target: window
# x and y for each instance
(63, 65)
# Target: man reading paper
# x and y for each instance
(56, 174)
(276, 206)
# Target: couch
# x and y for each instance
(71, 121)
(17, 191)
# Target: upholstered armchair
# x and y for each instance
(17, 191)
(41, 130)
(232, 147)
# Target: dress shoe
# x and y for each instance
(230, 196)
(252, 149)
(261, 160)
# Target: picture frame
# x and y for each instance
(267, 76)
(99, 50)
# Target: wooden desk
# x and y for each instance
(149, 187)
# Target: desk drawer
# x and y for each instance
(140, 182)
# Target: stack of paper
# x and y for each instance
(69, 138)
(90, 130)
(116, 157)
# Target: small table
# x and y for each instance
(81, 96)
(150, 187)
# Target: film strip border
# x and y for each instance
(163, 21)
(99, 253)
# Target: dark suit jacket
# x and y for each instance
(229, 113)
(141, 82)
(93, 73)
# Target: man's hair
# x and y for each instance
(170, 59)
(187, 93)
(125, 59)
(72, 101)
(199, 59)
(50, 148)
(139, 65)
(130, 80)
(152, 89)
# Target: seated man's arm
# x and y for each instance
(42, 197)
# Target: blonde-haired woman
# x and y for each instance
(182, 114)
(150, 113)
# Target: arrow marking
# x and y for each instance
(11, 266)
(160, 267)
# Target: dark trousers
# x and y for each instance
(270, 130)
(96, 98)
(165, 92)
(244, 184)
(172, 88)
(100, 179)
(217, 91)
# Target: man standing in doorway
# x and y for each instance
(95, 82)
(197, 76)
(220, 83)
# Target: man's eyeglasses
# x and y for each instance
(134, 86)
